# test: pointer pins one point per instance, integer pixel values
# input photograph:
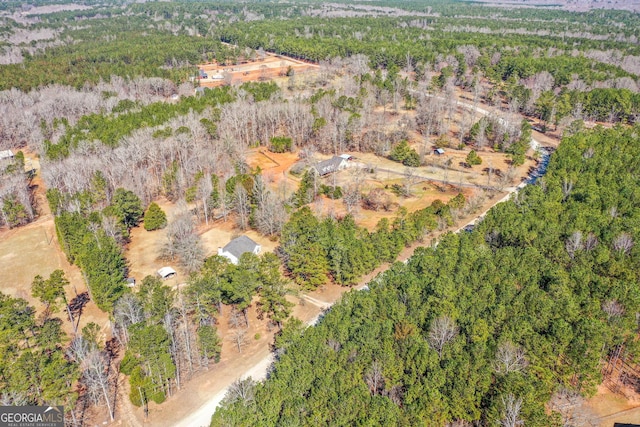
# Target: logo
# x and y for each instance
(31, 416)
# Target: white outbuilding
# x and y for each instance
(6, 154)
(166, 272)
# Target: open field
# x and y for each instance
(34, 250)
(143, 252)
(270, 67)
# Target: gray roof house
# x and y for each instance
(334, 164)
(237, 247)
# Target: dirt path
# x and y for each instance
(202, 416)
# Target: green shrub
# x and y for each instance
(404, 154)
(473, 158)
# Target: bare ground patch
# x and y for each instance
(271, 67)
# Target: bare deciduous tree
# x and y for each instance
(613, 309)
(574, 243)
(183, 243)
(623, 243)
(241, 390)
(511, 411)
(239, 338)
(242, 206)
(573, 408)
(235, 317)
(411, 178)
(375, 378)
(270, 212)
(127, 312)
(377, 199)
(590, 242)
(95, 369)
(13, 398)
(443, 329)
(510, 358)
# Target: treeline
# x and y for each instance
(605, 105)
(401, 41)
(314, 250)
(34, 369)
(17, 206)
(92, 238)
(111, 128)
(488, 325)
(125, 53)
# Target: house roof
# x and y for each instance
(346, 156)
(240, 245)
(166, 271)
(439, 150)
(6, 154)
(330, 165)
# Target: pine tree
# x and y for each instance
(154, 218)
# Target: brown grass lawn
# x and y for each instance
(34, 250)
(143, 253)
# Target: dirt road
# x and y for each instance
(202, 416)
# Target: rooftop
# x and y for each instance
(330, 165)
(240, 245)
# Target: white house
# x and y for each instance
(331, 165)
(237, 247)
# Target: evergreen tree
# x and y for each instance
(154, 218)
(127, 207)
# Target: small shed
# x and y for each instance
(347, 157)
(130, 282)
(235, 248)
(438, 151)
(166, 272)
(6, 154)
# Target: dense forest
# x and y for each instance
(104, 98)
(485, 326)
